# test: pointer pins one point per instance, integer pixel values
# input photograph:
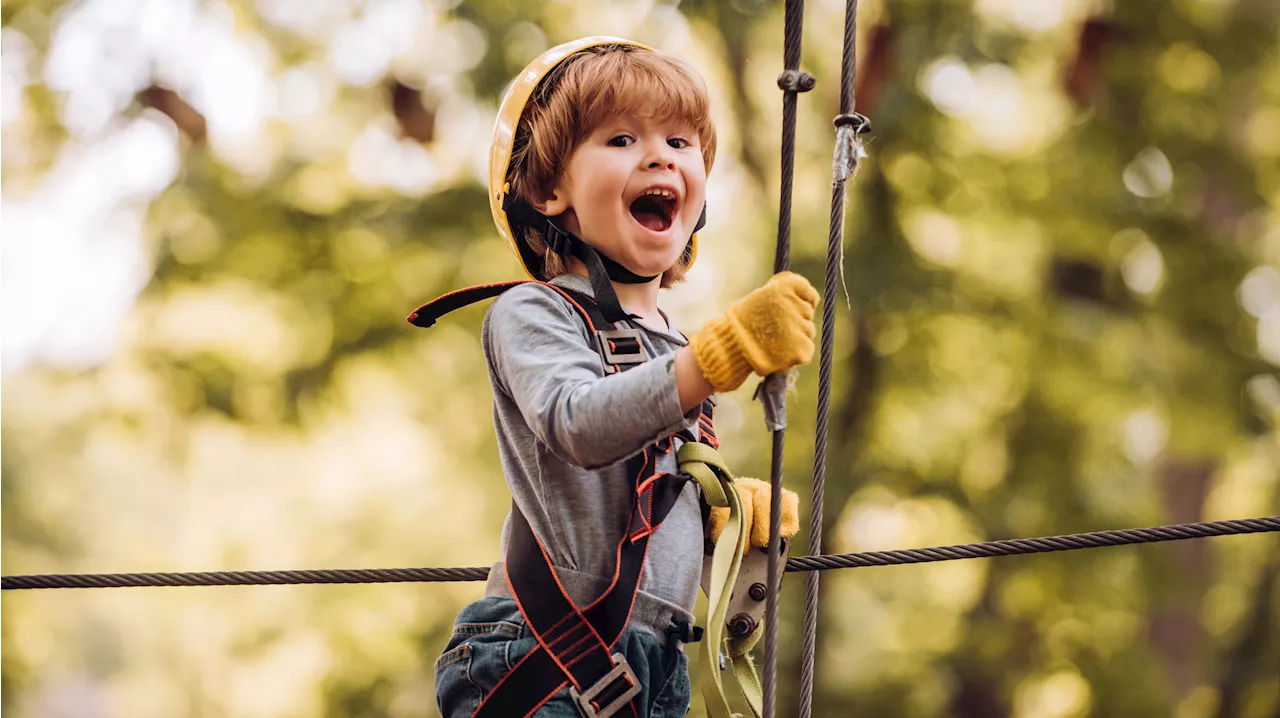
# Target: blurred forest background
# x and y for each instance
(1063, 314)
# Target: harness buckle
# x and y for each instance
(620, 349)
(585, 701)
(684, 631)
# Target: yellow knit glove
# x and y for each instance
(768, 331)
(756, 495)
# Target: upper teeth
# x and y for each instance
(665, 193)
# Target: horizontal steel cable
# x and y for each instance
(986, 549)
(246, 578)
(1045, 544)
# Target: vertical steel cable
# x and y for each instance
(791, 81)
(773, 390)
(845, 155)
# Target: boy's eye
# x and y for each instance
(620, 141)
(678, 143)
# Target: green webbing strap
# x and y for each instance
(705, 465)
(744, 669)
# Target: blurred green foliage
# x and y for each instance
(1062, 314)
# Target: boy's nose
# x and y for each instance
(660, 158)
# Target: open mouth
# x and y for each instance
(655, 209)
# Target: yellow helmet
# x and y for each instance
(504, 135)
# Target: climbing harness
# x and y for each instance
(575, 643)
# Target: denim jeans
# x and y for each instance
(490, 636)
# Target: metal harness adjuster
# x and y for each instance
(585, 701)
(620, 349)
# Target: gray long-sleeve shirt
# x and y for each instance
(565, 430)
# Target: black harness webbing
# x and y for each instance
(427, 314)
(575, 643)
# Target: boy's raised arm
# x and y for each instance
(543, 361)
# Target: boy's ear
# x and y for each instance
(554, 205)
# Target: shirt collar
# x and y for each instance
(582, 285)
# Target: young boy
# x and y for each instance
(598, 180)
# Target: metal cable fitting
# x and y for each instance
(796, 81)
(861, 124)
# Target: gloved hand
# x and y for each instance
(768, 331)
(756, 495)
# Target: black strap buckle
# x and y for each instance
(560, 241)
(684, 631)
(586, 701)
(620, 349)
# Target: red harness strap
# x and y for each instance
(575, 643)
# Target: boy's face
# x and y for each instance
(633, 190)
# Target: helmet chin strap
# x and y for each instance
(619, 273)
(601, 270)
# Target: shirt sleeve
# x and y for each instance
(541, 354)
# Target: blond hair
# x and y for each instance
(579, 95)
